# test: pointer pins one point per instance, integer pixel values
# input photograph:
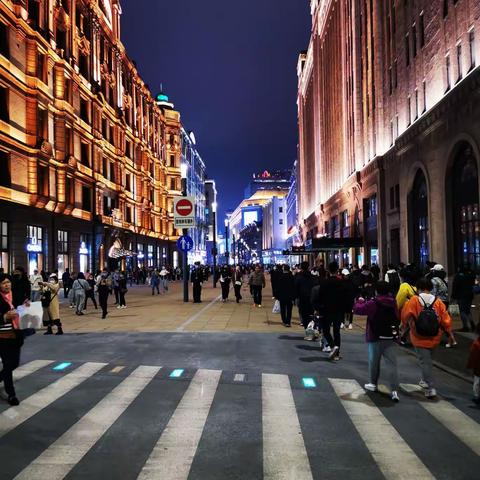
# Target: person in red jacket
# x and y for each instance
(474, 364)
(420, 313)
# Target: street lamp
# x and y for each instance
(226, 242)
(214, 250)
(186, 273)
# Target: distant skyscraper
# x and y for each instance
(268, 180)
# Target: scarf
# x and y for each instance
(8, 297)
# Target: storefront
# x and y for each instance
(63, 257)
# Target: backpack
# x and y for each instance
(385, 322)
(394, 282)
(427, 323)
(46, 298)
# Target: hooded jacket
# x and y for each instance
(369, 308)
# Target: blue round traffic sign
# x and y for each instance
(185, 243)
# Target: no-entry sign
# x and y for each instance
(183, 212)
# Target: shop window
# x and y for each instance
(5, 173)
(42, 180)
(86, 199)
(4, 44)
(4, 104)
(62, 241)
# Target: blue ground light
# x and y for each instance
(62, 366)
(178, 372)
(309, 382)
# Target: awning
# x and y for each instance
(326, 244)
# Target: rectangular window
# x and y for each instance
(42, 124)
(5, 174)
(280, 222)
(112, 135)
(407, 49)
(4, 49)
(172, 160)
(392, 198)
(448, 68)
(409, 110)
(416, 104)
(4, 104)
(128, 149)
(3, 239)
(42, 180)
(105, 168)
(397, 195)
(422, 30)
(173, 185)
(445, 8)
(84, 110)
(459, 62)
(128, 186)
(113, 176)
(85, 154)
(68, 142)
(280, 209)
(395, 74)
(70, 191)
(471, 46)
(67, 94)
(62, 241)
(128, 214)
(86, 199)
(104, 129)
(392, 133)
(35, 236)
(83, 66)
(424, 85)
(414, 40)
(42, 68)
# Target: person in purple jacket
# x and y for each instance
(382, 331)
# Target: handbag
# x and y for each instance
(454, 310)
(276, 307)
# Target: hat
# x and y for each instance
(438, 268)
(345, 271)
(53, 275)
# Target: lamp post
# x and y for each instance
(226, 242)
(186, 273)
(214, 250)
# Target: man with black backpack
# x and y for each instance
(382, 330)
(427, 318)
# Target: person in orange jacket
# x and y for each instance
(427, 318)
(474, 364)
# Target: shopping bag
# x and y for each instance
(31, 317)
(276, 307)
(454, 310)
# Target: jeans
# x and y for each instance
(35, 295)
(388, 350)
(10, 356)
(336, 320)
(257, 294)
(80, 299)
(425, 360)
(286, 307)
(156, 286)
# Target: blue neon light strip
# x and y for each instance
(62, 366)
(177, 373)
(309, 382)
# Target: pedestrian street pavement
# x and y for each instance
(111, 420)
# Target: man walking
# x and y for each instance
(304, 283)
(104, 287)
(197, 281)
(35, 281)
(257, 283)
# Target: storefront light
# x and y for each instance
(34, 248)
(140, 255)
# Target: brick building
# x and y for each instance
(389, 123)
(89, 159)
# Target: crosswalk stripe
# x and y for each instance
(57, 460)
(460, 424)
(29, 368)
(392, 454)
(284, 452)
(14, 416)
(173, 454)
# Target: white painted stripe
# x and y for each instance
(14, 416)
(394, 457)
(29, 368)
(239, 377)
(187, 322)
(117, 369)
(284, 453)
(460, 424)
(59, 459)
(173, 454)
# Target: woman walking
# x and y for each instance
(11, 338)
(238, 280)
(80, 288)
(90, 294)
(257, 283)
(285, 294)
(104, 287)
(122, 289)
(51, 305)
(225, 279)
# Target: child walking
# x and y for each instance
(382, 331)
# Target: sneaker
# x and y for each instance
(342, 326)
(326, 349)
(350, 327)
(395, 397)
(371, 387)
(119, 306)
(259, 306)
(308, 338)
(423, 384)
(123, 306)
(430, 393)
(334, 353)
(70, 306)
(13, 401)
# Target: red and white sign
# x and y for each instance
(183, 212)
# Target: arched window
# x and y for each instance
(418, 225)
(465, 200)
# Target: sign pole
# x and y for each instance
(186, 273)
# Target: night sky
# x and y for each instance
(230, 68)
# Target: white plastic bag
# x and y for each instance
(276, 307)
(31, 317)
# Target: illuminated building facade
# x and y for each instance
(89, 159)
(389, 129)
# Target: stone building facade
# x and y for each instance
(389, 118)
(89, 159)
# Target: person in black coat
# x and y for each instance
(304, 283)
(275, 275)
(285, 294)
(351, 292)
(225, 280)
(237, 283)
(197, 278)
(11, 339)
(462, 292)
(21, 287)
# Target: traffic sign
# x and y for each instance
(184, 212)
(185, 243)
